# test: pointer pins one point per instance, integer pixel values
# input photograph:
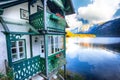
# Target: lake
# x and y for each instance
(94, 58)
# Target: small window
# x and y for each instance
(55, 43)
(18, 50)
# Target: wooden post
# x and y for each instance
(45, 40)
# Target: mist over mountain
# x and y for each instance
(107, 29)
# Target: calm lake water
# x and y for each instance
(94, 58)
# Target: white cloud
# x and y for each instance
(72, 21)
(99, 10)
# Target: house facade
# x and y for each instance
(32, 37)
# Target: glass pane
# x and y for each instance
(20, 43)
(21, 55)
(13, 44)
(14, 50)
(14, 57)
(49, 45)
(52, 44)
(56, 43)
(21, 49)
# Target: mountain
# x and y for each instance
(107, 29)
(91, 30)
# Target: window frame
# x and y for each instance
(52, 44)
(18, 51)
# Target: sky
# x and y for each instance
(93, 12)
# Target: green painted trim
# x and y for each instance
(56, 28)
(46, 54)
(9, 50)
(25, 50)
(21, 33)
(65, 45)
(32, 28)
(56, 53)
(4, 24)
(1, 11)
(31, 51)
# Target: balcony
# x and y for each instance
(55, 62)
(54, 22)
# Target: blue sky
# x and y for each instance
(93, 11)
(81, 3)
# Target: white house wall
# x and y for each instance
(3, 50)
(13, 14)
(14, 11)
(36, 45)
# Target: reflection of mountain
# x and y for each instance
(75, 30)
(108, 29)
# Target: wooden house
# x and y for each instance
(32, 37)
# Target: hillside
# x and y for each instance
(107, 29)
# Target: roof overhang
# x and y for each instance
(9, 3)
(69, 7)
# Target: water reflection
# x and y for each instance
(94, 58)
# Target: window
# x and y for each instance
(55, 43)
(18, 50)
(61, 42)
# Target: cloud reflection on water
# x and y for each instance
(106, 62)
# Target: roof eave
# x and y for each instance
(12, 3)
(71, 10)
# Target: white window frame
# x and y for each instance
(58, 43)
(18, 51)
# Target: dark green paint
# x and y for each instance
(31, 51)
(9, 50)
(26, 68)
(1, 11)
